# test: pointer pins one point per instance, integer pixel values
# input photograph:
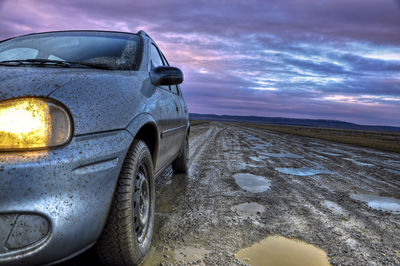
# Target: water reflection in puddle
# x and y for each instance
(393, 171)
(254, 158)
(190, 254)
(251, 209)
(303, 171)
(333, 207)
(393, 162)
(252, 183)
(261, 147)
(358, 163)
(329, 153)
(283, 155)
(277, 250)
(155, 257)
(378, 203)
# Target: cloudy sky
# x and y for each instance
(329, 59)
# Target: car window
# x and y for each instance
(18, 53)
(155, 57)
(164, 59)
(116, 51)
(53, 57)
(174, 89)
(156, 61)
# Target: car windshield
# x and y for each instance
(116, 51)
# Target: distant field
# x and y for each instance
(197, 122)
(387, 141)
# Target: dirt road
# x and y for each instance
(315, 191)
(246, 184)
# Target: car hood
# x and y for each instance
(32, 81)
(99, 100)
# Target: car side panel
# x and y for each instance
(162, 108)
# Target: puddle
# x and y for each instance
(393, 171)
(358, 163)
(254, 158)
(278, 250)
(320, 156)
(333, 207)
(244, 165)
(329, 153)
(378, 203)
(283, 155)
(318, 144)
(252, 183)
(190, 254)
(168, 191)
(157, 257)
(303, 171)
(393, 162)
(164, 207)
(261, 147)
(249, 137)
(251, 209)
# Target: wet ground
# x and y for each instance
(247, 187)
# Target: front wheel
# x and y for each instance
(181, 164)
(126, 237)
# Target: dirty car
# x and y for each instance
(88, 120)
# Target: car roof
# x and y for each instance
(140, 32)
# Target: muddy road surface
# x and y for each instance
(246, 184)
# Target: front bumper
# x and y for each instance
(54, 203)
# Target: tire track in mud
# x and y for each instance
(316, 209)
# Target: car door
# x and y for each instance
(167, 115)
(182, 113)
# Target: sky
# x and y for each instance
(319, 59)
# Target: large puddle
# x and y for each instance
(378, 202)
(278, 250)
(303, 171)
(252, 183)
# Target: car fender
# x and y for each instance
(139, 122)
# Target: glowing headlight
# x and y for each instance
(31, 123)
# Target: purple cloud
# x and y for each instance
(331, 59)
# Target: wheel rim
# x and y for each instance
(141, 204)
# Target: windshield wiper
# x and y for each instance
(90, 65)
(48, 62)
(39, 62)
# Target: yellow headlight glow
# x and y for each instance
(26, 123)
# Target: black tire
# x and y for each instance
(126, 237)
(181, 164)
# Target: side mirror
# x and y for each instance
(166, 75)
